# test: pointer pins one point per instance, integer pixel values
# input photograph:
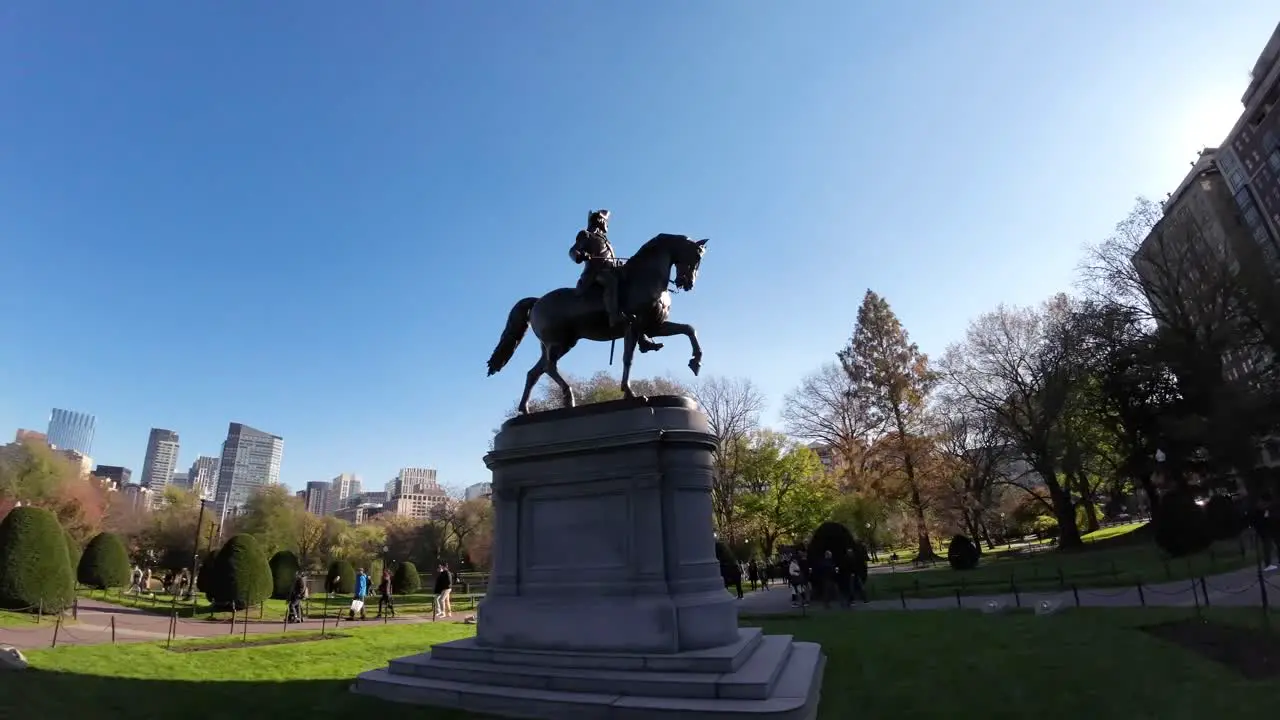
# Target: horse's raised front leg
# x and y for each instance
(628, 354)
(667, 329)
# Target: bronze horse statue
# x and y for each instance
(562, 317)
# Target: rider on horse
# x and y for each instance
(592, 247)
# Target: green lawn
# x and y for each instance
(275, 609)
(1078, 664)
(8, 618)
(1115, 562)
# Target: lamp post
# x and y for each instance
(1005, 532)
(195, 552)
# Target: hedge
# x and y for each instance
(241, 576)
(284, 570)
(962, 553)
(105, 563)
(35, 564)
(341, 578)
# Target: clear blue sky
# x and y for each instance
(313, 217)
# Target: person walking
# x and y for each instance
(384, 595)
(1263, 519)
(297, 593)
(362, 592)
(443, 591)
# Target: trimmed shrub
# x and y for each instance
(241, 576)
(205, 578)
(1223, 518)
(831, 537)
(405, 580)
(105, 563)
(962, 553)
(74, 550)
(341, 578)
(284, 570)
(35, 565)
(1181, 528)
(722, 553)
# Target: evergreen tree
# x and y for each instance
(894, 376)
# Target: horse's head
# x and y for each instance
(686, 258)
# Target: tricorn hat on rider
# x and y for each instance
(597, 219)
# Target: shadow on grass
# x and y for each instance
(43, 693)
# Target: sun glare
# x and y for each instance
(1203, 119)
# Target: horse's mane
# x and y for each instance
(657, 241)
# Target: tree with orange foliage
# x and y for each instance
(33, 474)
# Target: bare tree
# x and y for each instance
(733, 407)
(1020, 365)
(462, 518)
(829, 409)
(975, 456)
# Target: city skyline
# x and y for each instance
(930, 161)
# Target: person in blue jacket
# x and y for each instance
(362, 592)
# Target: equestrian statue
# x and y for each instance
(613, 300)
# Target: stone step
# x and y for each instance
(795, 697)
(723, 659)
(752, 681)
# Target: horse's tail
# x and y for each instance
(512, 334)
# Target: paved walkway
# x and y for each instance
(1233, 589)
(99, 622)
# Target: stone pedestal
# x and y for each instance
(605, 598)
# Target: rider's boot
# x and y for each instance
(616, 317)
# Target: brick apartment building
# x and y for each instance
(1250, 156)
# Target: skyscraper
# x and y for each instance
(250, 460)
(317, 499)
(161, 458)
(70, 430)
(203, 476)
(341, 488)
